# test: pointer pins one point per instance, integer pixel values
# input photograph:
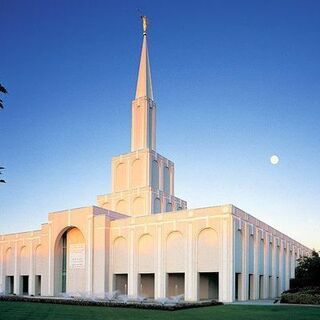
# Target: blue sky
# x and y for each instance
(234, 82)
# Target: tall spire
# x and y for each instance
(144, 83)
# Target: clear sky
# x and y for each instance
(234, 81)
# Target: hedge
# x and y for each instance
(101, 303)
(302, 297)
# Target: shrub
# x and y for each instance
(311, 290)
(302, 297)
(307, 272)
(101, 303)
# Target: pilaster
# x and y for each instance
(245, 261)
(133, 275)
(256, 265)
(160, 283)
(226, 274)
(16, 288)
(32, 288)
(191, 275)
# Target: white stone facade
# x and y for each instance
(143, 241)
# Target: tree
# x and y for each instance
(308, 271)
(2, 90)
(1, 180)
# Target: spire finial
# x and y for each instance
(144, 24)
(144, 84)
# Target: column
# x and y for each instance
(132, 276)
(100, 259)
(160, 276)
(293, 264)
(51, 264)
(32, 288)
(245, 262)
(256, 264)
(89, 267)
(16, 288)
(288, 265)
(171, 172)
(226, 271)
(274, 267)
(191, 274)
(281, 271)
(266, 270)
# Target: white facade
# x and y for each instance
(142, 240)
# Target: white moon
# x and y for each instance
(274, 159)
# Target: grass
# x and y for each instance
(35, 311)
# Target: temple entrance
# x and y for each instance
(121, 283)
(208, 285)
(70, 262)
(175, 284)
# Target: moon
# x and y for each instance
(274, 159)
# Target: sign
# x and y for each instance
(77, 256)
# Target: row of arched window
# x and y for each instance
(23, 260)
(138, 176)
(175, 247)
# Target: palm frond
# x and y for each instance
(3, 89)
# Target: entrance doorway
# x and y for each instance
(270, 287)
(146, 288)
(250, 287)
(261, 287)
(175, 284)
(209, 285)
(38, 286)
(277, 287)
(237, 286)
(70, 262)
(24, 285)
(121, 283)
(9, 284)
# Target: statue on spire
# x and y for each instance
(144, 24)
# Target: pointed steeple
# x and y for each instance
(144, 83)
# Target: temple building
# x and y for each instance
(141, 239)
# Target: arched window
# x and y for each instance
(208, 251)
(138, 206)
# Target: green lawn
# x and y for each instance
(33, 311)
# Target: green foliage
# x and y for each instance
(2, 90)
(113, 304)
(308, 271)
(305, 288)
(1, 180)
(301, 298)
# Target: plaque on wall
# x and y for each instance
(77, 256)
